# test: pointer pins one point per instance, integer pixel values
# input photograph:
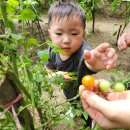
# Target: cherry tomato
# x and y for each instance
(88, 81)
(119, 87)
(67, 75)
(104, 85)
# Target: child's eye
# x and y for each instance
(74, 34)
(58, 33)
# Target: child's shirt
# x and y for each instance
(71, 64)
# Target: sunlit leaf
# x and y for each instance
(27, 14)
(31, 41)
(13, 3)
(85, 114)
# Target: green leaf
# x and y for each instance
(43, 55)
(27, 14)
(21, 108)
(38, 79)
(69, 120)
(85, 114)
(78, 112)
(97, 127)
(31, 41)
(115, 5)
(54, 47)
(10, 10)
(113, 78)
(89, 16)
(114, 34)
(16, 37)
(13, 3)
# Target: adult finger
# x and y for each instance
(81, 89)
(122, 42)
(119, 96)
(102, 120)
(95, 108)
(94, 100)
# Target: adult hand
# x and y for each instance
(108, 114)
(100, 58)
(124, 41)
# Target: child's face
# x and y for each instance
(67, 34)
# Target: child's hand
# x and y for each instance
(100, 58)
(66, 76)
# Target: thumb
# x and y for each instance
(94, 101)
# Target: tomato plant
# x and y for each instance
(88, 81)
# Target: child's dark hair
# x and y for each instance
(60, 10)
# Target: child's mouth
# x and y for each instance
(66, 48)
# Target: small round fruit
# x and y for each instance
(67, 74)
(119, 87)
(104, 85)
(88, 81)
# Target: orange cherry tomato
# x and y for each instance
(88, 81)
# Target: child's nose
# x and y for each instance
(66, 40)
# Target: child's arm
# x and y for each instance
(124, 41)
(100, 58)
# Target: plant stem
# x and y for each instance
(4, 14)
(77, 96)
(29, 87)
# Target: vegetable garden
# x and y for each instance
(28, 98)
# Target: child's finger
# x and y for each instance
(111, 52)
(87, 54)
(103, 47)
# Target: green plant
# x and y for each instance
(115, 7)
(90, 7)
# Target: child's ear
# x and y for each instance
(49, 32)
(84, 34)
